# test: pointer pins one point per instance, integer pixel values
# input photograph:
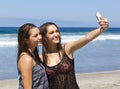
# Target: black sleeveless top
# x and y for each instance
(62, 75)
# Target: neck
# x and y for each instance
(52, 49)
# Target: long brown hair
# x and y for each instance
(23, 35)
(43, 31)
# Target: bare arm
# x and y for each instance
(25, 66)
(73, 46)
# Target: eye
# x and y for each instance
(51, 32)
(36, 35)
(57, 31)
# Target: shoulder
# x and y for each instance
(67, 50)
(24, 57)
(25, 61)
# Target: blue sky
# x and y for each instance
(67, 13)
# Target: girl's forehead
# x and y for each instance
(51, 27)
(34, 30)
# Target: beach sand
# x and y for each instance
(99, 80)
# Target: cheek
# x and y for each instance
(32, 42)
(58, 34)
(48, 38)
(28, 42)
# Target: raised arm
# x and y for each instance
(72, 46)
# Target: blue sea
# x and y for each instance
(102, 54)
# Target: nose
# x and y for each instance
(56, 34)
(40, 37)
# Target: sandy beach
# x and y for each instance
(99, 80)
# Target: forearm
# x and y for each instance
(95, 33)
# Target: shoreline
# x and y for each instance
(96, 80)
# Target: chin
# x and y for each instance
(39, 44)
(57, 41)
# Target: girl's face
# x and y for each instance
(35, 38)
(53, 35)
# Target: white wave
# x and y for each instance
(8, 42)
(108, 37)
(101, 37)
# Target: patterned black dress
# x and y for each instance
(62, 75)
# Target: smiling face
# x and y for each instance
(53, 35)
(34, 38)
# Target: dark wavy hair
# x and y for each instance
(23, 35)
(43, 31)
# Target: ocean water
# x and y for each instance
(102, 54)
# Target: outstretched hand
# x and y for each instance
(103, 23)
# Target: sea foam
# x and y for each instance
(8, 42)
